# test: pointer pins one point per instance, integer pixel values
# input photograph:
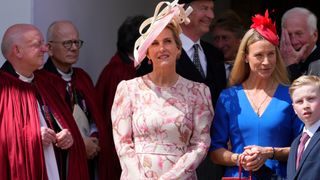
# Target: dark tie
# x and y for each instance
(304, 138)
(196, 59)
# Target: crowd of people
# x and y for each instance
(168, 105)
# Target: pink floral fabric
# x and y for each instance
(161, 132)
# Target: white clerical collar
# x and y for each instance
(66, 76)
(312, 129)
(187, 43)
(24, 78)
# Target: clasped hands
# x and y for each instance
(253, 157)
(63, 139)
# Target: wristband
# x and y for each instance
(238, 160)
(273, 153)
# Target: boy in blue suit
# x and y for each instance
(305, 94)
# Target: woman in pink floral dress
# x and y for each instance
(161, 121)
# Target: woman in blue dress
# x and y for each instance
(255, 114)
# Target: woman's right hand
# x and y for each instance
(252, 159)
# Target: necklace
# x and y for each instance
(257, 108)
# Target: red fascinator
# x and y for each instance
(265, 27)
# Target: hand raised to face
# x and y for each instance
(289, 54)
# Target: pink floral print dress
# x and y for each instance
(161, 132)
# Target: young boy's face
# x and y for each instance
(306, 103)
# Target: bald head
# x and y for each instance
(14, 35)
(64, 44)
(57, 28)
(23, 46)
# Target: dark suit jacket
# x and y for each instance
(216, 75)
(314, 68)
(309, 166)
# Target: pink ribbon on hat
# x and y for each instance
(155, 25)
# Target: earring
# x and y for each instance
(149, 61)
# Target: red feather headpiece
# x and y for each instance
(265, 27)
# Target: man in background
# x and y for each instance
(298, 41)
(75, 87)
(227, 31)
(37, 138)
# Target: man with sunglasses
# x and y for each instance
(76, 88)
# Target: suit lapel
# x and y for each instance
(294, 149)
(187, 69)
(313, 141)
(207, 55)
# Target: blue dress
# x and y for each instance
(236, 120)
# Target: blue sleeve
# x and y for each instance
(220, 127)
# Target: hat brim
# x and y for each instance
(157, 28)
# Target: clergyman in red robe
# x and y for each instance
(76, 89)
(120, 67)
(38, 140)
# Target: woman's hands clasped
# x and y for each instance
(253, 157)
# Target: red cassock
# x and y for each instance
(21, 154)
(83, 83)
(116, 71)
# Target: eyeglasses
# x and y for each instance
(68, 43)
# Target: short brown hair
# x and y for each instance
(229, 21)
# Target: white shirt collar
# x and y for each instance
(187, 43)
(312, 129)
(25, 79)
(66, 76)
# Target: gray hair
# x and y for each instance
(311, 17)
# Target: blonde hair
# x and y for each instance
(241, 70)
(174, 28)
(304, 81)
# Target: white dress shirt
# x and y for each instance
(310, 131)
(187, 45)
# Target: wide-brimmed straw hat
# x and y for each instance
(150, 29)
